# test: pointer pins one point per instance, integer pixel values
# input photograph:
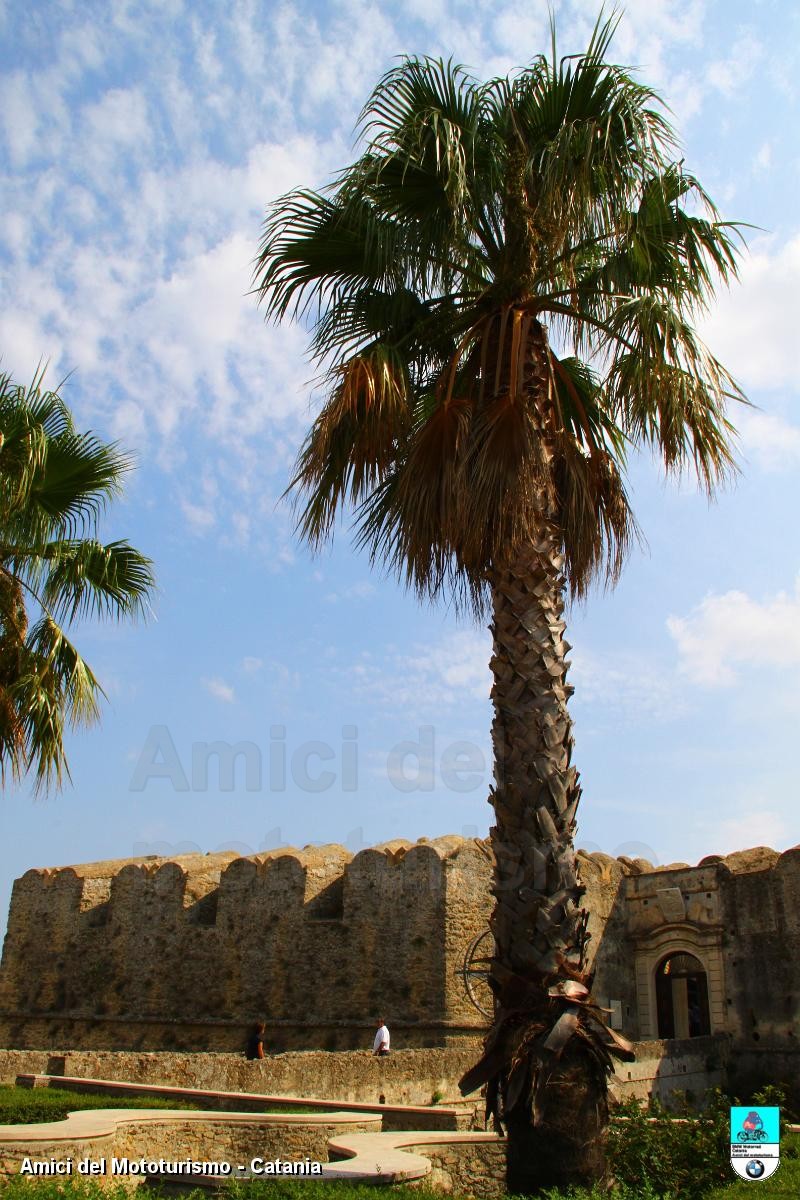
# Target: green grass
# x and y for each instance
(31, 1106)
(289, 1189)
(784, 1185)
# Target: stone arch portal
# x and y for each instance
(681, 986)
(695, 955)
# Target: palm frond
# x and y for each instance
(590, 132)
(85, 578)
(474, 213)
(660, 247)
(55, 689)
(589, 459)
(54, 484)
(59, 666)
(315, 250)
(351, 444)
(427, 112)
(668, 391)
(79, 476)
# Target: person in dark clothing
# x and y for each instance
(255, 1042)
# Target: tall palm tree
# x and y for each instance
(501, 292)
(54, 485)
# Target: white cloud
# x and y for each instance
(755, 819)
(18, 116)
(753, 327)
(769, 440)
(632, 684)
(251, 664)
(117, 121)
(733, 631)
(763, 158)
(200, 518)
(284, 678)
(440, 676)
(130, 252)
(457, 667)
(729, 74)
(361, 590)
(220, 689)
(134, 214)
(200, 507)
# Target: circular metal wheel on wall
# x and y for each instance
(477, 960)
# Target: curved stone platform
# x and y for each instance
(103, 1135)
(91, 1123)
(390, 1158)
(373, 1143)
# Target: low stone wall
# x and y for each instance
(177, 1137)
(756, 1065)
(664, 1068)
(403, 1077)
(477, 1169)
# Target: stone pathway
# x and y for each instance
(370, 1153)
(90, 1123)
(390, 1157)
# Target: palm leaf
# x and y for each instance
(54, 483)
(87, 579)
(473, 213)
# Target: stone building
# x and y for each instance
(184, 953)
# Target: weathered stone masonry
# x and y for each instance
(183, 954)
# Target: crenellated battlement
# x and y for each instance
(185, 952)
(313, 936)
(291, 876)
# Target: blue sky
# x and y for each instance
(139, 146)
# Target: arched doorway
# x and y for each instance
(682, 997)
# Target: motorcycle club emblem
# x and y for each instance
(755, 1142)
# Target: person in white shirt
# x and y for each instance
(381, 1044)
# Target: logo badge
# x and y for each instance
(755, 1142)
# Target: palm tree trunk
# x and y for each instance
(552, 1083)
(13, 631)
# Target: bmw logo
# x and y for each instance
(755, 1168)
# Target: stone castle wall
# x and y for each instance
(185, 954)
(739, 915)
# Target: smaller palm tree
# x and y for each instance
(54, 485)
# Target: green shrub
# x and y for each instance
(619, 1192)
(302, 1189)
(651, 1153)
(775, 1094)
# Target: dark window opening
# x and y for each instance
(97, 916)
(682, 997)
(328, 904)
(204, 910)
